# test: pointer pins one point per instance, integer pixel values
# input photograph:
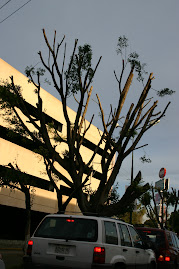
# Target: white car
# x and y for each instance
(72, 241)
(2, 265)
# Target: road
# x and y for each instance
(13, 258)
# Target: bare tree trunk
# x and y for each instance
(28, 213)
(61, 206)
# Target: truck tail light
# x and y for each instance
(99, 255)
(163, 258)
(167, 258)
(70, 220)
(29, 247)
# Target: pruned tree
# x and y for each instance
(75, 81)
(158, 217)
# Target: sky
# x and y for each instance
(152, 30)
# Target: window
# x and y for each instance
(135, 237)
(157, 237)
(169, 238)
(175, 240)
(68, 228)
(110, 233)
(124, 234)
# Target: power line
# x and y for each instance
(5, 4)
(15, 11)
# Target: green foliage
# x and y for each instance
(137, 215)
(65, 154)
(81, 67)
(58, 138)
(131, 133)
(47, 81)
(146, 198)
(173, 222)
(164, 92)
(132, 58)
(31, 71)
(122, 44)
(168, 198)
(149, 223)
(10, 100)
(8, 178)
(9, 96)
(144, 159)
(114, 196)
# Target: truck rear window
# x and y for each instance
(78, 229)
(156, 237)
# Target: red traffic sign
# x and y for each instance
(162, 172)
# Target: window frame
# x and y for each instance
(117, 237)
(124, 243)
(136, 245)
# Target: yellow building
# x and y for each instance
(44, 199)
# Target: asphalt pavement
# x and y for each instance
(12, 253)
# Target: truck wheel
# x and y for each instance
(152, 265)
(119, 266)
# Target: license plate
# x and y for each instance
(60, 249)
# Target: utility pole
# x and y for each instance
(132, 177)
(162, 185)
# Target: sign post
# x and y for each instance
(161, 185)
(166, 183)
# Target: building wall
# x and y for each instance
(31, 163)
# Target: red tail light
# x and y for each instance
(70, 220)
(29, 247)
(167, 258)
(99, 255)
